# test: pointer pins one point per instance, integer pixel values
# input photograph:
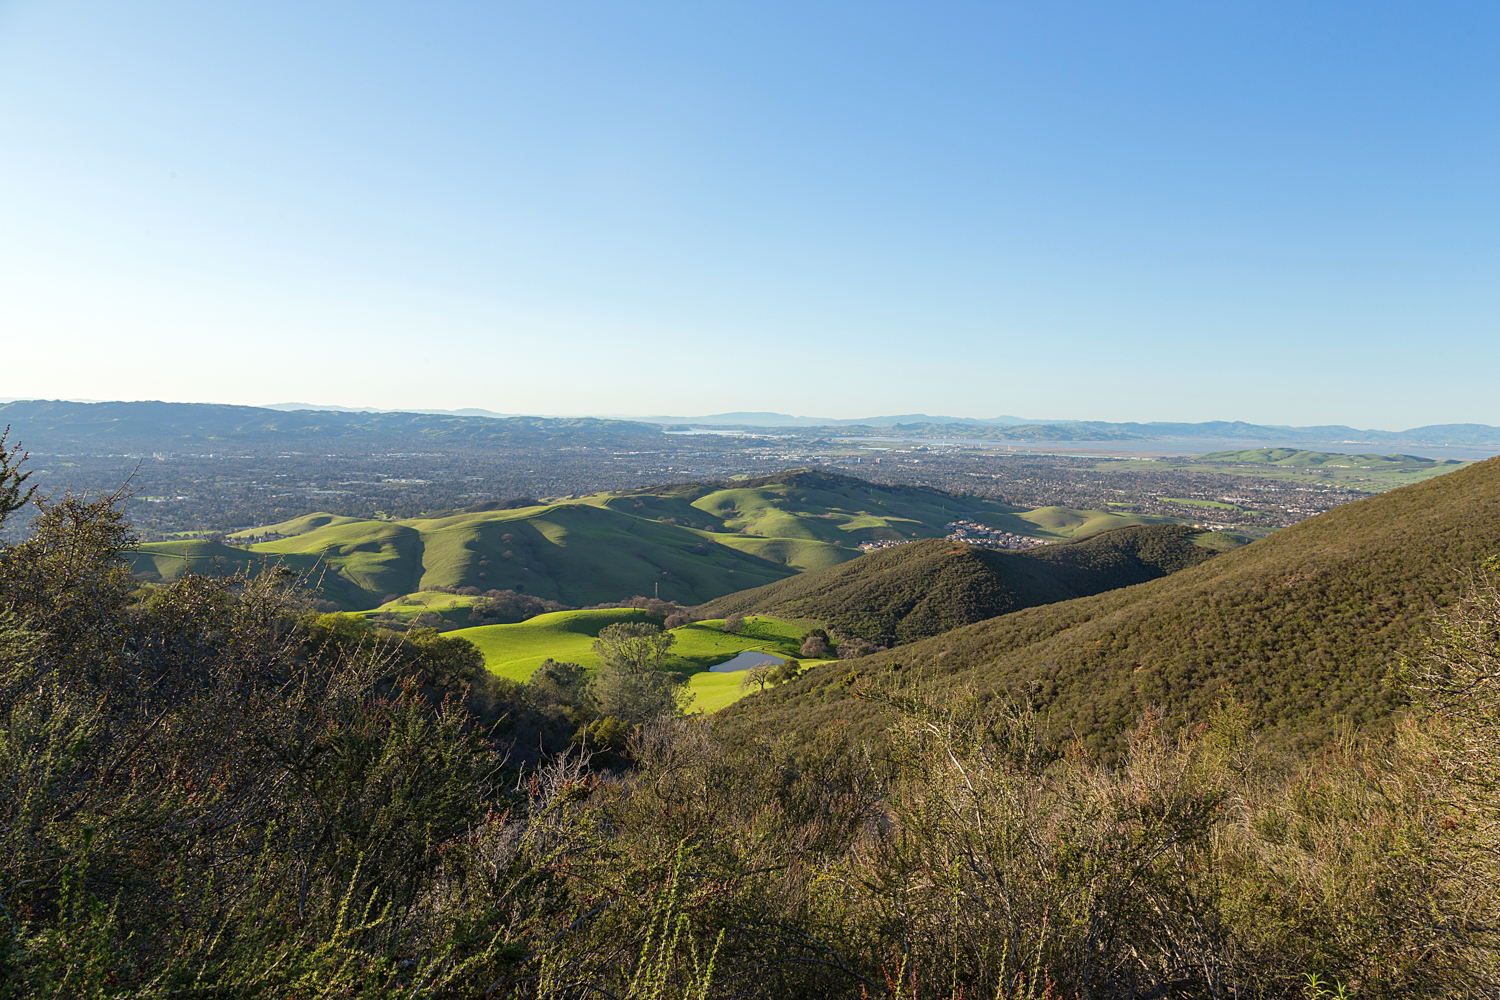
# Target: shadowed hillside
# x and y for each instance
(573, 553)
(916, 591)
(689, 543)
(1303, 628)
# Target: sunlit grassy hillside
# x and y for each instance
(688, 543)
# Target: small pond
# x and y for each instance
(749, 658)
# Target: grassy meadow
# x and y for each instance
(515, 651)
(712, 692)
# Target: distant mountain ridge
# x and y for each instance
(1467, 435)
(765, 419)
(152, 424)
(470, 411)
(144, 426)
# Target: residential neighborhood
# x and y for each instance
(974, 533)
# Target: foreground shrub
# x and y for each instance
(209, 790)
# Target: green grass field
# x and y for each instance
(172, 559)
(712, 692)
(1296, 459)
(515, 651)
(702, 644)
(1064, 522)
(574, 552)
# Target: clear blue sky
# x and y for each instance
(1285, 213)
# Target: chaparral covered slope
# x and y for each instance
(1304, 628)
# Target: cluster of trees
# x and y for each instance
(771, 674)
(563, 705)
(815, 644)
(208, 789)
(492, 607)
(506, 607)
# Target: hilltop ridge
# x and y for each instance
(1302, 627)
(915, 591)
(688, 542)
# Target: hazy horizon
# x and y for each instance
(808, 418)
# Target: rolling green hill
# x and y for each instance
(911, 592)
(1302, 627)
(692, 543)
(1295, 459)
(1065, 522)
(457, 609)
(173, 559)
(1366, 473)
(575, 553)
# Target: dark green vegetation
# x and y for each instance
(207, 790)
(1303, 628)
(920, 590)
(689, 543)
